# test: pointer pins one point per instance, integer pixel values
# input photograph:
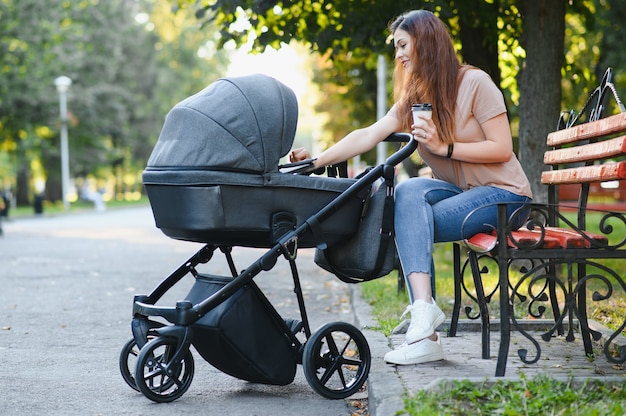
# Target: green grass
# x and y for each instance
(55, 208)
(538, 396)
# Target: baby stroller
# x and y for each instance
(213, 178)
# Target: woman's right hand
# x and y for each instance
(299, 154)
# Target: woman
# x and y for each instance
(468, 146)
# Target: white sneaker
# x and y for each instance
(401, 327)
(423, 351)
(425, 318)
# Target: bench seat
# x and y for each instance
(554, 237)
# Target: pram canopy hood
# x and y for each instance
(243, 124)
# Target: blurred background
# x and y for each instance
(125, 63)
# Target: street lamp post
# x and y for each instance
(63, 84)
(381, 105)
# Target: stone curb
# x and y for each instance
(385, 390)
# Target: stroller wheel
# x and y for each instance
(157, 376)
(336, 360)
(128, 362)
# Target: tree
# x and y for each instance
(21, 86)
(127, 73)
(89, 44)
(539, 80)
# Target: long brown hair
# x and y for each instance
(435, 75)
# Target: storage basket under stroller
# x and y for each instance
(242, 336)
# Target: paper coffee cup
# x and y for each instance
(426, 110)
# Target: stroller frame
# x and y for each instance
(157, 360)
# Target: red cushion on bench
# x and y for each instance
(572, 239)
(554, 238)
(526, 238)
(482, 242)
(523, 238)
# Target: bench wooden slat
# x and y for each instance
(555, 237)
(527, 238)
(482, 242)
(587, 152)
(595, 173)
(602, 127)
(566, 240)
(487, 241)
(572, 239)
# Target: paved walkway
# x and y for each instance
(388, 384)
(66, 289)
(67, 286)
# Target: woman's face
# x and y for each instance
(404, 46)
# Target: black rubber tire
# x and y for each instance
(128, 362)
(150, 376)
(336, 360)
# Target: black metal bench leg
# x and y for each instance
(505, 323)
(456, 309)
(485, 327)
(505, 306)
(582, 314)
(554, 302)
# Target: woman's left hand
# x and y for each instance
(426, 134)
(298, 154)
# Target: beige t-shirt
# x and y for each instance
(479, 100)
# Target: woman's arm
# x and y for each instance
(497, 147)
(356, 142)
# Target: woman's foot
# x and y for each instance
(423, 351)
(425, 318)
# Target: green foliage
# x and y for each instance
(593, 40)
(127, 72)
(355, 26)
(349, 92)
(537, 396)
(489, 34)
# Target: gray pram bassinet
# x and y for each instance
(213, 175)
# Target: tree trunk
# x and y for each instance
(22, 188)
(479, 37)
(51, 161)
(539, 81)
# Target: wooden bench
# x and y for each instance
(551, 260)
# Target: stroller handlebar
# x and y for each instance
(399, 137)
(305, 166)
(405, 151)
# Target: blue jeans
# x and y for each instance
(429, 211)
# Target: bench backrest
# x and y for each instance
(591, 152)
(590, 143)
